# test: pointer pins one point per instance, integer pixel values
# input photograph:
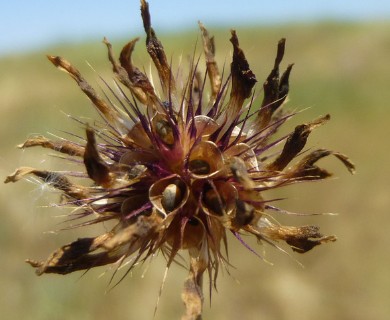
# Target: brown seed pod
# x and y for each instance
(205, 160)
(168, 194)
(205, 126)
(219, 199)
(199, 167)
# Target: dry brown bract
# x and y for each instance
(179, 168)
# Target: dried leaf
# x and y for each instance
(301, 239)
(344, 159)
(110, 114)
(121, 241)
(74, 257)
(63, 146)
(295, 143)
(156, 52)
(275, 89)
(306, 170)
(129, 75)
(211, 64)
(137, 78)
(243, 79)
(54, 179)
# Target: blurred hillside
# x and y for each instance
(341, 69)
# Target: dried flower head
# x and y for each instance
(180, 168)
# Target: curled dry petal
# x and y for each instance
(137, 137)
(137, 162)
(205, 126)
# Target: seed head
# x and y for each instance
(177, 169)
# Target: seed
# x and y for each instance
(244, 212)
(136, 171)
(165, 132)
(240, 173)
(193, 222)
(214, 202)
(199, 166)
(171, 197)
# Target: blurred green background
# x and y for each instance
(340, 68)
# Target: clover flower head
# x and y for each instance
(179, 165)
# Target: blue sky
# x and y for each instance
(28, 25)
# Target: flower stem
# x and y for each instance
(192, 294)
